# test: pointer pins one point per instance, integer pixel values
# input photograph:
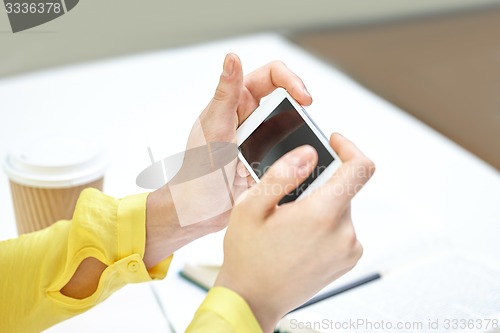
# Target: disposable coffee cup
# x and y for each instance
(46, 178)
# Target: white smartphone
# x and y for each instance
(279, 125)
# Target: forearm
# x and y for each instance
(24, 283)
(108, 232)
(160, 215)
(164, 233)
(163, 237)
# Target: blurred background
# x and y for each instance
(439, 60)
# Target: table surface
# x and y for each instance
(427, 190)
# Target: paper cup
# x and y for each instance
(46, 177)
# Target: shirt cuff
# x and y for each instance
(131, 220)
(114, 232)
(232, 308)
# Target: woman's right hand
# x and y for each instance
(277, 257)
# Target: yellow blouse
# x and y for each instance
(34, 268)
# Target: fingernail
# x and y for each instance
(242, 171)
(301, 161)
(301, 157)
(303, 171)
(228, 67)
(306, 92)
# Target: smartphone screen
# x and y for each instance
(282, 131)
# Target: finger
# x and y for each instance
(240, 186)
(355, 171)
(219, 118)
(282, 178)
(250, 181)
(348, 180)
(243, 177)
(231, 82)
(266, 79)
(247, 106)
(241, 170)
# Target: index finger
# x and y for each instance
(348, 180)
(267, 78)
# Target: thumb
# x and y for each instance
(281, 179)
(219, 120)
(227, 94)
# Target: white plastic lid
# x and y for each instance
(56, 162)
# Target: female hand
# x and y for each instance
(277, 257)
(180, 213)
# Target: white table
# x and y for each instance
(425, 185)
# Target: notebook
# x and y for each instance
(201, 275)
(444, 291)
(439, 292)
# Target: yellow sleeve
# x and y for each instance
(36, 266)
(224, 311)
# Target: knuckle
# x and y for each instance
(349, 240)
(365, 166)
(351, 265)
(371, 167)
(220, 95)
(358, 251)
(354, 256)
(277, 63)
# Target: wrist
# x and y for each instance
(259, 301)
(164, 234)
(161, 230)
